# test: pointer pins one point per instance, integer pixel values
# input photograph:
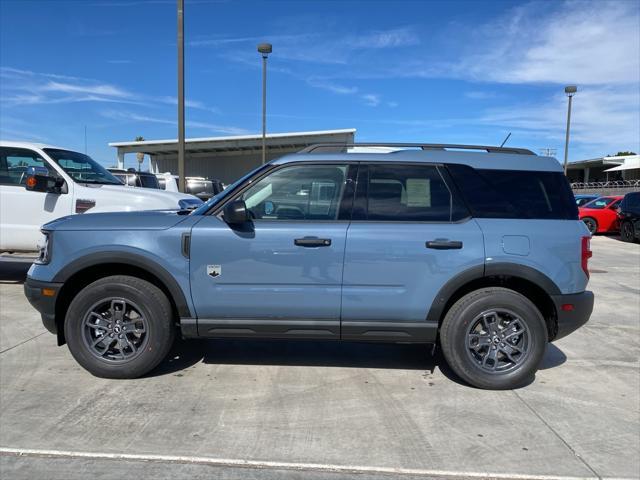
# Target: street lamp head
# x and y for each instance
(265, 49)
(570, 89)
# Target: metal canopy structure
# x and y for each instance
(226, 158)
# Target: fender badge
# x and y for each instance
(214, 270)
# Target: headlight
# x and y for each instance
(44, 248)
(189, 203)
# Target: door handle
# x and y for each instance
(444, 244)
(312, 242)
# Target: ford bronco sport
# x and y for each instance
(476, 249)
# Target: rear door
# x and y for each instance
(409, 235)
(280, 274)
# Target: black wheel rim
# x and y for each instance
(591, 225)
(626, 230)
(115, 330)
(498, 341)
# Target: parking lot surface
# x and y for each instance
(293, 409)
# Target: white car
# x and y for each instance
(63, 182)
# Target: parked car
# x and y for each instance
(583, 198)
(134, 178)
(601, 215)
(415, 246)
(630, 217)
(198, 186)
(39, 183)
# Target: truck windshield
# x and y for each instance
(82, 168)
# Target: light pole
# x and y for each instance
(181, 179)
(265, 49)
(570, 90)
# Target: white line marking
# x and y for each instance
(223, 462)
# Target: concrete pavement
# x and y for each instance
(326, 410)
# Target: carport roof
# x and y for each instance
(289, 140)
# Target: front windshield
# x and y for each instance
(82, 168)
(598, 203)
(219, 196)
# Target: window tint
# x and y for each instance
(14, 163)
(148, 181)
(303, 192)
(515, 193)
(407, 193)
(631, 201)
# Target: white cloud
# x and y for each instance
(604, 120)
(332, 87)
(371, 99)
(105, 90)
(580, 42)
(120, 115)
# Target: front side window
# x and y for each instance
(599, 203)
(82, 168)
(300, 192)
(407, 193)
(14, 163)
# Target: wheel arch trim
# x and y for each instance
(479, 272)
(132, 259)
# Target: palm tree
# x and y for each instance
(139, 155)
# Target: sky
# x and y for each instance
(422, 71)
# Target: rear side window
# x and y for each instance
(405, 193)
(515, 193)
(631, 202)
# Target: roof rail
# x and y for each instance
(342, 147)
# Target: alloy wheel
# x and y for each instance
(498, 341)
(115, 330)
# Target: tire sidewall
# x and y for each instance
(158, 327)
(626, 231)
(458, 324)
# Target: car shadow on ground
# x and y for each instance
(314, 353)
(13, 269)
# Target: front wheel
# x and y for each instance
(626, 232)
(494, 338)
(119, 327)
(591, 224)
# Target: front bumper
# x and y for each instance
(43, 296)
(572, 318)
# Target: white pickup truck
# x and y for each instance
(65, 183)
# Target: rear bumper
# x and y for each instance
(570, 319)
(45, 304)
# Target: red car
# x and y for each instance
(601, 215)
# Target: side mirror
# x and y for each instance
(39, 180)
(235, 213)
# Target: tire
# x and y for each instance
(591, 224)
(457, 332)
(99, 316)
(626, 232)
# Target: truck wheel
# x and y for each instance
(119, 327)
(494, 338)
(626, 232)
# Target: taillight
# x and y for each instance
(586, 254)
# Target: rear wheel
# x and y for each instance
(119, 327)
(626, 232)
(591, 224)
(494, 338)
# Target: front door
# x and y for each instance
(279, 275)
(22, 211)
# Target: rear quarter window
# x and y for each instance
(515, 193)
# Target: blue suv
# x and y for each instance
(476, 249)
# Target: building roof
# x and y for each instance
(287, 140)
(595, 162)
